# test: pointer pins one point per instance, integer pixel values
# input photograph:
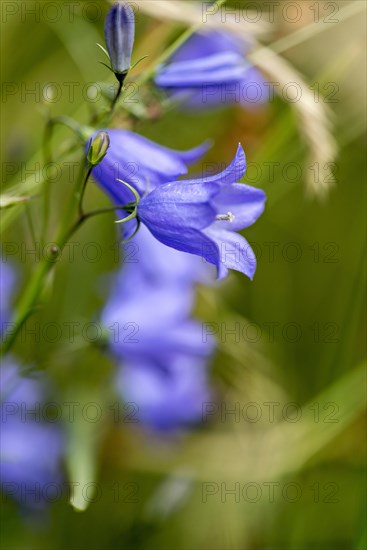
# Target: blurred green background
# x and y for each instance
(300, 324)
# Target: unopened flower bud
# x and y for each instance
(119, 34)
(98, 147)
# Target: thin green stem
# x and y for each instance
(34, 288)
(149, 73)
(30, 223)
(73, 202)
(82, 192)
(32, 292)
(30, 298)
(47, 159)
(144, 77)
(83, 132)
(119, 90)
(106, 211)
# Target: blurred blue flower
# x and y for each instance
(147, 318)
(170, 393)
(162, 358)
(201, 216)
(7, 284)
(211, 69)
(119, 34)
(30, 449)
(141, 163)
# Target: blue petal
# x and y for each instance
(250, 91)
(202, 72)
(216, 69)
(178, 205)
(235, 251)
(233, 173)
(119, 35)
(202, 44)
(106, 178)
(246, 203)
(160, 264)
(189, 240)
(140, 162)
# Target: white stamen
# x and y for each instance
(229, 217)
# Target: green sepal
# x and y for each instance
(103, 49)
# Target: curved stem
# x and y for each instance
(34, 288)
(83, 132)
(31, 295)
(30, 298)
(145, 76)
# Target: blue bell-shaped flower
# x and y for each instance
(119, 34)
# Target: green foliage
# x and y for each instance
(305, 303)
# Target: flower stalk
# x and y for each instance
(30, 298)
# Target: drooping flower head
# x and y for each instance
(141, 163)
(201, 216)
(211, 69)
(119, 34)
